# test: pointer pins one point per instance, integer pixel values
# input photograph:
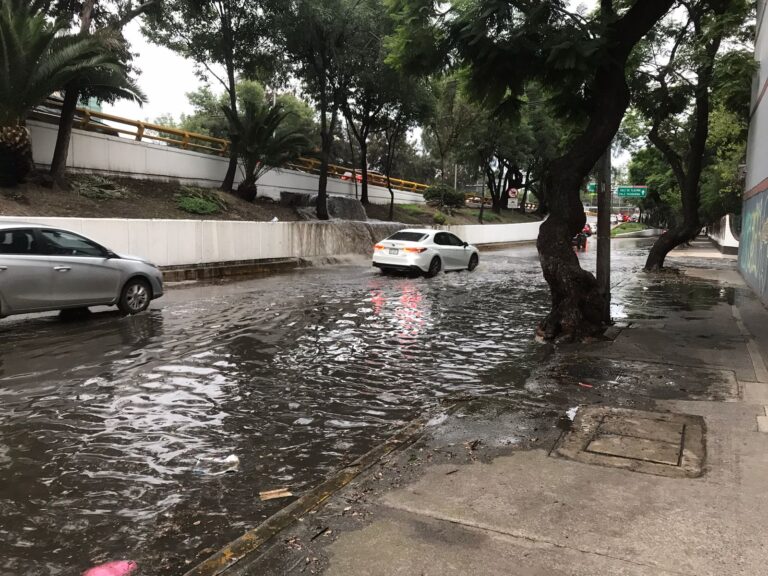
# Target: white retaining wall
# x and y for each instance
(495, 233)
(195, 242)
(93, 152)
(722, 234)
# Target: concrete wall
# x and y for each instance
(721, 233)
(195, 242)
(753, 253)
(92, 152)
(495, 233)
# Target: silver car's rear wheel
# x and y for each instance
(135, 297)
(434, 267)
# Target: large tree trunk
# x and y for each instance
(326, 138)
(61, 151)
(322, 187)
(576, 303)
(688, 178)
(667, 242)
(71, 96)
(577, 306)
(229, 178)
(364, 171)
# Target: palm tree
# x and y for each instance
(38, 57)
(263, 145)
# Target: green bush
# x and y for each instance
(439, 218)
(196, 201)
(444, 195)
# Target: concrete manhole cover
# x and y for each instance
(650, 442)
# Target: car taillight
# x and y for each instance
(414, 250)
(379, 247)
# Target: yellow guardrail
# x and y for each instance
(94, 121)
(312, 165)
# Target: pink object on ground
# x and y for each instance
(117, 568)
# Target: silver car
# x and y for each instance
(426, 251)
(46, 268)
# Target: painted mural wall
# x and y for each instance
(753, 248)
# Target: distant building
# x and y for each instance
(753, 246)
(92, 104)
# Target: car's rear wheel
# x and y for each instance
(135, 297)
(474, 260)
(434, 267)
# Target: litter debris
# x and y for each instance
(571, 413)
(452, 472)
(585, 385)
(325, 530)
(274, 219)
(116, 568)
(217, 466)
(277, 493)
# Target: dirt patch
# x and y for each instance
(113, 197)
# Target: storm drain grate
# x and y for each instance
(649, 442)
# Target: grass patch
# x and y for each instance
(199, 201)
(412, 209)
(626, 227)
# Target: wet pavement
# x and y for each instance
(115, 432)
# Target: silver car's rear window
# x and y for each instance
(408, 236)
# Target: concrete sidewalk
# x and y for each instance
(486, 489)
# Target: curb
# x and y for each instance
(252, 540)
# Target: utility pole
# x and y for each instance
(604, 231)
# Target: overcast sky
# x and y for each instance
(165, 78)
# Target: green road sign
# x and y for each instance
(632, 191)
(591, 187)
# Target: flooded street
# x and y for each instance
(116, 434)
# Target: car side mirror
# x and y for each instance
(465, 244)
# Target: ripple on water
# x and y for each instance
(104, 423)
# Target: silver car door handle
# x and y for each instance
(3, 268)
(62, 268)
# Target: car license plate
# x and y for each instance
(393, 251)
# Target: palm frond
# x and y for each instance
(39, 57)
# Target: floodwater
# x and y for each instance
(120, 437)
(114, 431)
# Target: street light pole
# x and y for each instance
(604, 232)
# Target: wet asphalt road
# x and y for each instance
(113, 431)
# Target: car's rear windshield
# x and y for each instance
(408, 236)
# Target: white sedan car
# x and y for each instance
(425, 251)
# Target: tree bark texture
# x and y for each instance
(364, 171)
(577, 305)
(61, 151)
(326, 138)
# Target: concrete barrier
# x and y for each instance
(194, 249)
(112, 155)
(495, 233)
(721, 233)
